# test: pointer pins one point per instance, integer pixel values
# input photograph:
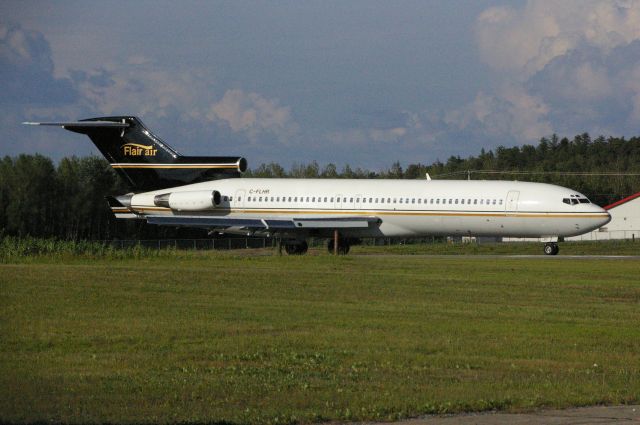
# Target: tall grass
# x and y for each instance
(18, 249)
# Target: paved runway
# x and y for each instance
(577, 416)
(495, 256)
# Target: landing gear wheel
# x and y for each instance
(343, 247)
(551, 248)
(296, 248)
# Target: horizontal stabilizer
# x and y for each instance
(111, 124)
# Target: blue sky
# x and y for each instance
(359, 82)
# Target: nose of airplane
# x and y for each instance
(606, 218)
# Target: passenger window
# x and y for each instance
(475, 202)
(400, 200)
(350, 199)
(413, 200)
(239, 198)
(313, 199)
(584, 201)
(462, 201)
(420, 200)
(494, 202)
(394, 200)
(331, 200)
(325, 199)
(370, 200)
(574, 201)
(500, 201)
(381, 200)
(456, 201)
(388, 200)
(261, 199)
(450, 201)
(481, 201)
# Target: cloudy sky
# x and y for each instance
(358, 82)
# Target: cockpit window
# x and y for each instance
(574, 200)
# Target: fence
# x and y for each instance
(247, 243)
(607, 235)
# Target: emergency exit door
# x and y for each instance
(512, 201)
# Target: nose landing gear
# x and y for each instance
(551, 248)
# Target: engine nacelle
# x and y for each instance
(200, 200)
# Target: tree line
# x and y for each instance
(66, 200)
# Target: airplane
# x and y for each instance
(212, 195)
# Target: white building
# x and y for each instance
(624, 224)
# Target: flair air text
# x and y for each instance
(134, 149)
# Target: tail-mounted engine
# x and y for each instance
(201, 200)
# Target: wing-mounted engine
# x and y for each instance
(201, 200)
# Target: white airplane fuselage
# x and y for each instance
(404, 208)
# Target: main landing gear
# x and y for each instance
(339, 245)
(296, 248)
(551, 248)
(343, 247)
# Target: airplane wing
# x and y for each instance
(272, 223)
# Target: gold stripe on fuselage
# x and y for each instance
(394, 213)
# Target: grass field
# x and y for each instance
(228, 338)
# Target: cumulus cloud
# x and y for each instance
(26, 70)
(390, 128)
(253, 115)
(510, 113)
(145, 90)
(567, 67)
(178, 104)
(524, 40)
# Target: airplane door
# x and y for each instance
(338, 203)
(512, 201)
(239, 198)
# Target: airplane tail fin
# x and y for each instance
(143, 159)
